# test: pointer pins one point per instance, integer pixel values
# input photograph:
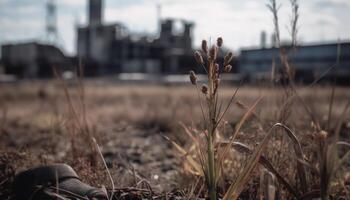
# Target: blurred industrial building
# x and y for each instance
(108, 49)
(33, 60)
(309, 62)
(105, 49)
(36, 59)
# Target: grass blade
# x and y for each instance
(236, 188)
(196, 166)
(242, 148)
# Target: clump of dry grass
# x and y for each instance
(328, 160)
(209, 152)
(206, 155)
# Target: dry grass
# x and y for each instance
(128, 122)
(278, 141)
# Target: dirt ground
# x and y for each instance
(129, 123)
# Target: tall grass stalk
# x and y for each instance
(211, 155)
(327, 153)
(207, 58)
(78, 125)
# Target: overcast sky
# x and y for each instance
(239, 22)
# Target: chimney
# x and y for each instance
(187, 28)
(263, 39)
(273, 40)
(95, 12)
(166, 28)
(159, 17)
(187, 34)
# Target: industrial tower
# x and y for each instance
(95, 12)
(51, 23)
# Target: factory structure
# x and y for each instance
(106, 49)
(110, 49)
(308, 62)
(36, 59)
(33, 60)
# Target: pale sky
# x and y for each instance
(239, 22)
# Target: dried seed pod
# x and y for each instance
(216, 84)
(219, 41)
(217, 67)
(204, 89)
(213, 52)
(228, 58)
(193, 77)
(205, 47)
(198, 57)
(227, 68)
(216, 71)
(322, 135)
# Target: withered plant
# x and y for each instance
(209, 161)
(209, 151)
(329, 161)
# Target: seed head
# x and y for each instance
(227, 68)
(204, 89)
(205, 47)
(228, 58)
(193, 77)
(322, 135)
(216, 71)
(198, 57)
(213, 52)
(219, 41)
(217, 68)
(216, 84)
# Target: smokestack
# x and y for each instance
(263, 39)
(187, 28)
(95, 12)
(273, 40)
(159, 17)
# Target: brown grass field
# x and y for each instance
(269, 141)
(129, 122)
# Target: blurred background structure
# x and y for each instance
(106, 49)
(310, 62)
(110, 48)
(36, 59)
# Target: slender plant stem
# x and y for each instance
(211, 133)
